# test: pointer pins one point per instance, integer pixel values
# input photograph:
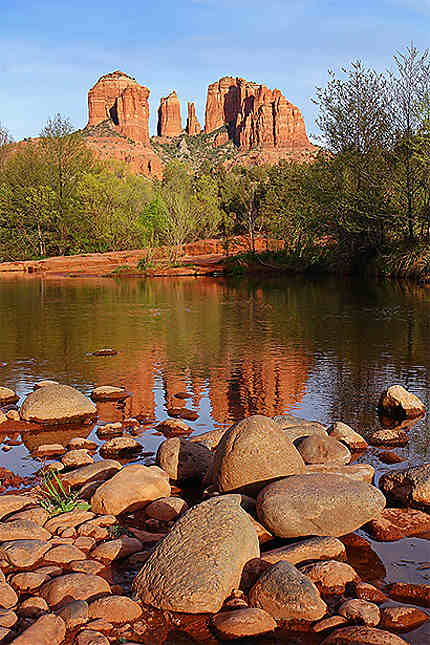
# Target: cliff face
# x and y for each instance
(169, 116)
(193, 126)
(255, 116)
(119, 99)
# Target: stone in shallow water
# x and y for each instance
(119, 446)
(109, 393)
(198, 564)
(403, 619)
(398, 402)
(78, 457)
(344, 433)
(286, 594)
(55, 404)
(389, 437)
(409, 486)
(318, 504)
(7, 396)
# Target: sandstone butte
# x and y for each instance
(169, 116)
(260, 123)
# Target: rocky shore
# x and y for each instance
(244, 533)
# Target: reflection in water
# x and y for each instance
(324, 348)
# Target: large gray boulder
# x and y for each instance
(55, 404)
(318, 504)
(199, 563)
(253, 453)
(286, 594)
(183, 459)
(409, 486)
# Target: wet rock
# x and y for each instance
(317, 504)
(110, 430)
(389, 437)
(75, 458)
(8, 597)
(406, 592)
(119, 446)
(330, 577)
(74, 614)
(173, 427)
(100, 470)
(366, 591)
(403, 619)
(253, 453)
(389, 457)
(397, 523)
(105, 351)
(7, 396)
(122, 547)
(73, 586)
(285, 593)
(362, 636)
(321, 450)
(28, 581)
(109, 393)
(23, 554)
(63, 554)
(116, 609)
(183, 413)
(130, 489)
(316, 548)
(47, 630)
(49, 450)
(13, 503)
(360, 612)
(79, 443)
(249, 621)
(399, 403)
(22, 530)
(166, 508)
(198, 564)
(329, 623)
(344, 433)
(409, 486)
(54, 404)
(184, 459)
(359, 472)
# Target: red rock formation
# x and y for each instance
(169, 116)
(193, 126)
(256, 116)
(119, 99)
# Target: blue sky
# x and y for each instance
(52, 52)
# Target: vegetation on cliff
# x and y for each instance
(363, 200)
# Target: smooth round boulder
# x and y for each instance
(318, 504)
(166, 509)
(253, 453)
(119, 447)
(286, 594)
(173, 427)
(360, 612)
(322, 450)
(55, 404)
(184, 459)
(132, 488)
(73, 586)
(345, 434)
(199, 563)
(47, 630)
(115, 609)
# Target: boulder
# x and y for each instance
(130, 489)
(330, 577)
(109, 393)
(55, 404)
(199, 563)
(403, 619)
(407, 592)
(318, 504)
(76, 458)
(389, 437)
(115, 609)
(359, 472)
(239, 623)
(8, 597)
(166, 509)
(397, 523)
(345, 434)
(74, 614)
(94, 472)
(184, 459)
(315, 449)
(209, 439)
(11, 503)
(399, 403)
(360, 612)
(110, 430)
(286, 594)
(119, 447)
(173, 427)
(22, 530)
(7, 396)
(23, 554)
(253, 453)
(362, 636)
(409, 486)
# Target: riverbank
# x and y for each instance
(198, 543)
